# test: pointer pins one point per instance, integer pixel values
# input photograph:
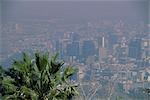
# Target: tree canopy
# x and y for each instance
(40, 78)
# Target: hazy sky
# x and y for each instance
(45, 9)
(76, 0)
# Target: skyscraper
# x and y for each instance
(102, 50)
(88, 49)
(73, 49)
(135, 49)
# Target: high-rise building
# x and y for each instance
(102, 53)
(88, 49)
(145, 51)
(102, 50)
(75, 37)
(101, 42)
(73, 49)
(145, 48)
(112, 40)
(122, 51)
(135, 49)
(59, 48)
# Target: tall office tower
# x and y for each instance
(102, 42)
(75, 37)
(145, 52)
(145, 47)
(135, 49)
(122, 54)
(102, 48)
(112, 39)
(59, 49)
(88, 49)
(123, 42)
(73, 50)
(65, 41)
(102, 53)
(99, 41)
(122, 51)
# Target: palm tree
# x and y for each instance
(38, 79)
(1, 78)
(147, 91)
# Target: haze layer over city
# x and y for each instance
(107, 41)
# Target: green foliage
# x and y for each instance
(119, 98)
(147, 90)
(1, 78)
(40, 78)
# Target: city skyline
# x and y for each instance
(108, 42)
